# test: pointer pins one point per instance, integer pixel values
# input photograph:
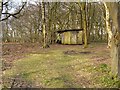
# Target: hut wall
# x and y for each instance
(80, 37)
(73, 37)
(67, 36)
(62, 38)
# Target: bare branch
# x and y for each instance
(4, 3)
(14, 14)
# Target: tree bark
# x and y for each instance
(84, 23)
(119, 40)
(115, 38)
(43, 24)
(0, 8)
(114, 10)
(108, 29)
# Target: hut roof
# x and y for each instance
(61, 31)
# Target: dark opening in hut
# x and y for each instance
(73, 36)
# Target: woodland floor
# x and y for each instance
(60, 66)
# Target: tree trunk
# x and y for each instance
(0, 41)
(115, 15)
(43, 25)
(0, 8)
(119, 40)
(114, 10)
(108, 29)
(84, 23)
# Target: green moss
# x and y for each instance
(105, 77)
(110, 81)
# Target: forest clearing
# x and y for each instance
(49, 44)
(61, 66)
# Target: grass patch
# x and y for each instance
(54, 69)
(105, 77)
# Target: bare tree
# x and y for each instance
(4, 4)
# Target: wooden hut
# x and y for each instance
(73, 36)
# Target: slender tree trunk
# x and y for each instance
(43, 24)
(81, 26)
(0, 43)
(0, 8)
(84, 23)
(108, 29)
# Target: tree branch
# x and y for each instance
(14, 14)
